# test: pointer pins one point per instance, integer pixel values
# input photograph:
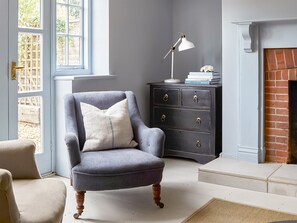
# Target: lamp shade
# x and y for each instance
(185, 45)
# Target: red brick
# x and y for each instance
(270, 124)
(278, 75)
(270, 97)
(285, 74)
(292, 74)
(276, 104)
(270, 152)
(270, 159)
(282, 125)
(270, 59)
(270, 111)
(279, 90)
(270, 139)
(271, 75)
(282, 112)
(283, 83)
(278, 147)
(283, 154)
(281, 140)
(282, 159)
(282, 97)
(289, 58)
(277, 132)
(280, 59)
(270, 83)
(295, 56)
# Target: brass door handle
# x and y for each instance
(14, 68)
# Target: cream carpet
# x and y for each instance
(220, 211)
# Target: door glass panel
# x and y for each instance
(29, 57)
(29, 14)
(29, 120)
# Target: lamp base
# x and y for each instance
(172, 81)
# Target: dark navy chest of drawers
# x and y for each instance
(191, 117)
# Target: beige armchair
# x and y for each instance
(24, 195)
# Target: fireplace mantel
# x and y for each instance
(252, 37)
(246, 28)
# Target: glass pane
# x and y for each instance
(74, 20)
(61, 21)
(29, 57)
(61, 50)
(74, 50)
(29, 121)
(29, 14)
(75, 2)
(62, 1)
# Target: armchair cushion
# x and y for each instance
(106, 129)
(117, 168)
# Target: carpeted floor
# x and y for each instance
(220, 211)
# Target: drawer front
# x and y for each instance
(195, 98)
(189, 119)
(164, 96)
(187, 141)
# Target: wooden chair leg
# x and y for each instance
(157, 195)
(80, 198)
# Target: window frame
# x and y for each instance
(86, 41)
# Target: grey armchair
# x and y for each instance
(116, 168)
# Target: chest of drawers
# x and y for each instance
(191, 117)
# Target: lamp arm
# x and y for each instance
(173, 47)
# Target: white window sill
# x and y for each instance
(84, 77)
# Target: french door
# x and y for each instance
(29, 79)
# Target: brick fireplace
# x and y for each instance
(280, 66)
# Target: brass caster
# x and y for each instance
(76, 215)
(160, 204)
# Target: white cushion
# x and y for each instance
(106, 129)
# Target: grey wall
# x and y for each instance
(201, 21)
(139, 31)
(140, 34)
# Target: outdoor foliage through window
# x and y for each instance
(69, 33)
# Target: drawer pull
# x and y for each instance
(165, 97)
(195, 98)
(163, 118)
(198, 121)
(198, 144)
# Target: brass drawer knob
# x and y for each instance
(163, 118)
(165, 97)
(195, 98)
(198, 144)
(198, 121)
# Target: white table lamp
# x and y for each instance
(184, 45)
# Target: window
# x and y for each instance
(71, 35)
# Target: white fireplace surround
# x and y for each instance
(253, 37)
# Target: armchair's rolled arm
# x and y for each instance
(150, 140)
(17, 156)
(72, 144)
(8, 208)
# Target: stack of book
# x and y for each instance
(203, 78)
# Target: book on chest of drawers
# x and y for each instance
(191, 118)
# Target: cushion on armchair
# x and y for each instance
(106, 129)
